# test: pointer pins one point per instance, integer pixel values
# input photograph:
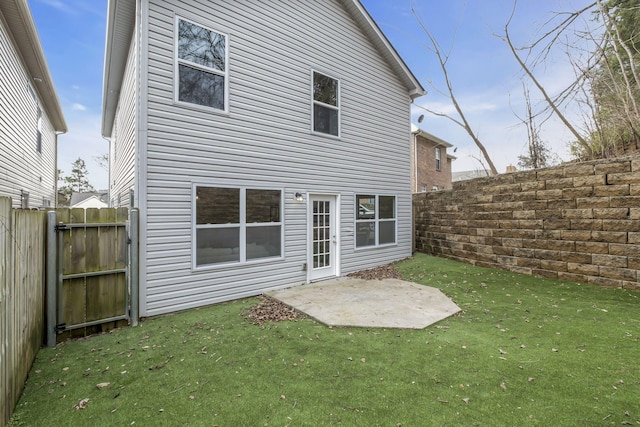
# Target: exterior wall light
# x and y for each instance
(298, 197)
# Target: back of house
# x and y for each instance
(30, 114)
(265, 143)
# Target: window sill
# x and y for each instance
(234, 265)
(198, 107)
(372, 247)
(327, 135)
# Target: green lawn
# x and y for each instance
(524, 351)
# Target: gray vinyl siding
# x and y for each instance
(265, 140)
(22, 167)
(122, 144)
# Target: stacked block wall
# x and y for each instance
(578, 222)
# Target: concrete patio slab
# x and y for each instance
(388, 303)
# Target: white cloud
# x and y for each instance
(78, 107)
(57, 4)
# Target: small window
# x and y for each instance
(437, 158)
(235, 225)
(24, 199)
(201, 65)
(326, 104)
(375, 220)
(424, 188)
(39, 131)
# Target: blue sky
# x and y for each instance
(485, 76)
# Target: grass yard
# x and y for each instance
(524, 351)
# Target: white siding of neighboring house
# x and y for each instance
(22, 168)
(91, 202)
(122, 142)
(265, 140)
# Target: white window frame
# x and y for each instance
(331, 107)
(177, 61)
(438, 159)
(377, 220)
(242, 225)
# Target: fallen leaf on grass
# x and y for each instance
(82, 404)
(102, 385)
(465, 400)
(503, 386)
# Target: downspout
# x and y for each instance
(109, 171)
(414, 138)
(140, 165)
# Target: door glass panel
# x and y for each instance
(321, 234)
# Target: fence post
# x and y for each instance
(134, 274)
(51, 279)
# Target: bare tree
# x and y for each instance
(605, 60)
(461, 120)
(102, 160)
(538, 153)
(553, 35)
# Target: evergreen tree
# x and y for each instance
(77, 181)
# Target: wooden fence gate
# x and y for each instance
(92, 270)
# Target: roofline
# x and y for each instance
(369, 26)
(119, 23)
(439, 141)
(25, 35)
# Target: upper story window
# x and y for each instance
(201, 65)
(438, 158)
(326, 104)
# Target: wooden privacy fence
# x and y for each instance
(89, 270)
(22, 292)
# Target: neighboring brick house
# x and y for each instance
(430, 163)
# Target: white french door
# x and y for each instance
(323, 239)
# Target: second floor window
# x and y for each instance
(326, 104)
(437, 158)
(201, 66)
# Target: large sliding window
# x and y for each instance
(376, 222)
(326, 104)
(201, 65)
(235, 225)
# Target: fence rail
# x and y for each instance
(91, 281)
(22, 267)
(77, 273)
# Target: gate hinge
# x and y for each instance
(60, 327)
(61, 227)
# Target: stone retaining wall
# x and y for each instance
(578, 222)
